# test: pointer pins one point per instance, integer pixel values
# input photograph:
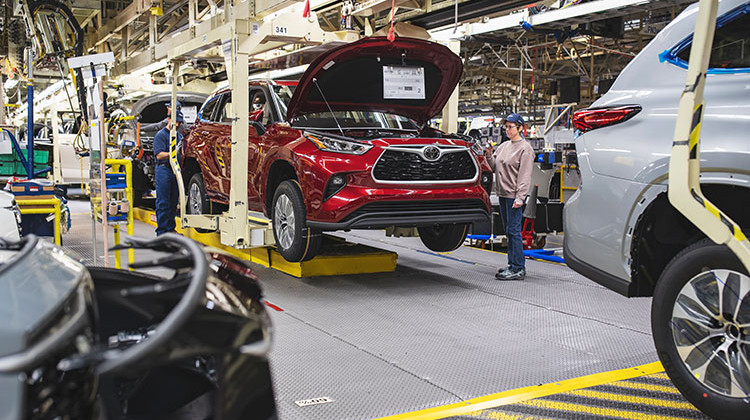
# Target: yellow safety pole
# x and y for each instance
(117, 242)
(128, 164)
(55, 208)
(129, 196)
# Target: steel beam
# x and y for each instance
(128, 15)
(234, 228)
(450, 111)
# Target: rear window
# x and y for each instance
(731, 46)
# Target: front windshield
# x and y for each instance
(355, 119)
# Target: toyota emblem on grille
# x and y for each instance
(431, 153)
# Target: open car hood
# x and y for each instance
(409, 77)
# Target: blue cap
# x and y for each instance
(168, 104)
(514, 118)
(179, 116)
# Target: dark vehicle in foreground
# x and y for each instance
(84, 343)
(349, 149)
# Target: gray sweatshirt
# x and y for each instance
(512, 163)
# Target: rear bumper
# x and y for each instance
(409, 213)
(605, 279)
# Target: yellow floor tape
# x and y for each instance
(525, 394)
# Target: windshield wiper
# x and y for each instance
(315, 80)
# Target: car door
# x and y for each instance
(255, 149)
(203, 140)
(224, 153)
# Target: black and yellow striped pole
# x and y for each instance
(684, 166)
(173, 161)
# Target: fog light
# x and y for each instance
(335, 184)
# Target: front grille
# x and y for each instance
(406, 166)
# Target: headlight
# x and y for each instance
(338, 145)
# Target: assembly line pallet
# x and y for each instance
(338, 257)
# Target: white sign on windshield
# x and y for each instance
(402, 82)
(189, 113)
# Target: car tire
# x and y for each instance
(687, 307)
(294, 240)
(443, 238)
(197, 200)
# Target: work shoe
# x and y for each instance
(503, 270)
(511, 275)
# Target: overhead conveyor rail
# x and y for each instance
(557, 18)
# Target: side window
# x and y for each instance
(207, 111)
(260, 109)
(225, 113)
(731, 46)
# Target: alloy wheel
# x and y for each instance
(711, 330)
(283, 218)
(195, 200)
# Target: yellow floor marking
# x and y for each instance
(601, 411)
(647, 387)
(633, 399)
(661, 376)
(497, 415)
(516, 396)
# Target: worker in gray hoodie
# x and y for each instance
(512, 162)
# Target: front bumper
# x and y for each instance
(409, 213)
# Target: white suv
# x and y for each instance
(622, 232)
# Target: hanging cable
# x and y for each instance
(65, 85)
(391, 34)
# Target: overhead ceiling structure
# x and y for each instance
(507, 66)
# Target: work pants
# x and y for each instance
(166, 199)
(512, 221)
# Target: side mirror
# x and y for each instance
(259, 128)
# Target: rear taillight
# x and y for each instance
(592, 118)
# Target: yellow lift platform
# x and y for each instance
(337, 258)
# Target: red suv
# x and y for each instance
(348, 147)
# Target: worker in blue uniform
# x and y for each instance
(166, 183)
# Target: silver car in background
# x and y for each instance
(10, 217)
(622, 232)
